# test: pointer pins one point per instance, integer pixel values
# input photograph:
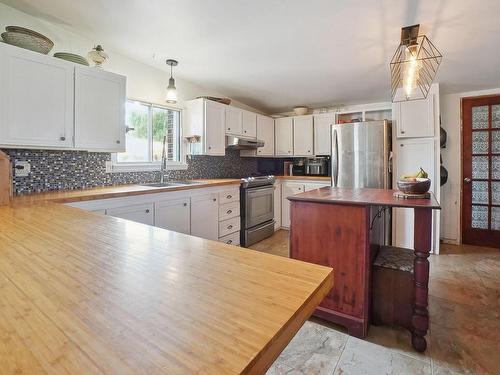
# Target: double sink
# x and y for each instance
(173, 184)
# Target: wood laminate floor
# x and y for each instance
(464, 334)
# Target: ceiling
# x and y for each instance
(275, 54)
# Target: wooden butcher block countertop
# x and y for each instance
(67, 196)
(90, 294)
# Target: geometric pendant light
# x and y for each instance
(413, 66)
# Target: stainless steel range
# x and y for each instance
(257, 209)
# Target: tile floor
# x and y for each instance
(464, 335)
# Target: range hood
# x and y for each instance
(236, 143)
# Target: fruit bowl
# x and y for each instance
(417, 185)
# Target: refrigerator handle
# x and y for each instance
(335, 157)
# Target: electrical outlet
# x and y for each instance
(109, 166)
(22, 169)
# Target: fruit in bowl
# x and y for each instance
(419, 183)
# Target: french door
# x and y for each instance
(481, 171)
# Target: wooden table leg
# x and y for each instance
(422, 244)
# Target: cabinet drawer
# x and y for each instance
(229, 226)
(232, 239)
(229, 210)
(227, 196)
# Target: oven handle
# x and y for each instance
(259, 189)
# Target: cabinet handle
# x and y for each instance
(228, 128)
(62, 138)
(288, 151)
(308, 151)
(244, 131)
(215, 199)
(147, 211)
(229, 242)
(229, 212)
(229, 226)
(402, 145)
(118, 142)
(402, 131)
(209, 147)
(184, 204)
(229, 196)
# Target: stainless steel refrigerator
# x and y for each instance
(361, 153)
(361, 158)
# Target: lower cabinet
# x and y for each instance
(288, 189)
(205, 216)
(140, 213)
(174, 215)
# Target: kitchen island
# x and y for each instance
(336, 227)
(85, 293)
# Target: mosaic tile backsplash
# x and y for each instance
(65, 170)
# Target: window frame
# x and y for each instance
(117, 166)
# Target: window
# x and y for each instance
(148, 124)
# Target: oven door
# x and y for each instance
(259, 205)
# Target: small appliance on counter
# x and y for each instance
(294, 168)
(257, 209)
(318, 166)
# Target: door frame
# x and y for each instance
(493, 94)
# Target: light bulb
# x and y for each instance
(410, 71)
(171, 91)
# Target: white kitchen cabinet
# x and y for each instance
(174, 215)
(140, 213)
(322, 134)
(36, 99)
(303, 139)
(283, 128)
(410, 155)
(206, 119)
(234, 121)
(265, 132)
(277, 206)
(99, 110)
(416, 118)
(205, 216)
(249, 124)
(288, 189)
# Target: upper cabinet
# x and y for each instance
(99, 110)
(51, 103)
(283, 128)
(36, 100)
(303, 140)
(249, 124)
(234, 121)
(206, 119)
(416, 118)
(265, 132)
(322, 137)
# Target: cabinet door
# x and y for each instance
(140, 213)
(303, 140)
(322, 137)
(249, 124)
(205, 216)
(265, 132)
(287, 190)
(174, 215)
(234, 121)
(284, 136)
(410, 155)
(277, 206)
(36, 99)
(99, 110)
(415, 118)
(215, 128)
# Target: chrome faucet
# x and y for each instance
(163, 166)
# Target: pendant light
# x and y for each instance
(413, 66)
(171, 90)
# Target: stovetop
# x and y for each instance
(254, 181)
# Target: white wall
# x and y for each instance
(144, 82)
(450, 193)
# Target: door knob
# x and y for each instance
(467, 180)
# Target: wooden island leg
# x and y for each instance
(422, 244)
